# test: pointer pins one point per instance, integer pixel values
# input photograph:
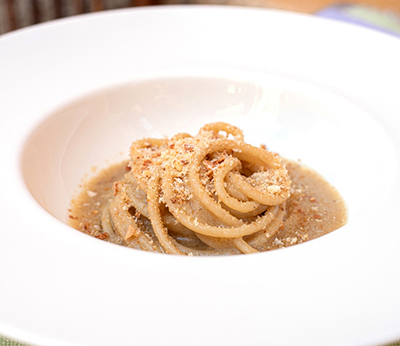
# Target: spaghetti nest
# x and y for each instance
(210, 194)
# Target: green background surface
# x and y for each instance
(8, 342)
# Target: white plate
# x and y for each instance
(76, 92)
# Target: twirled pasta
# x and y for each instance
(204, 195)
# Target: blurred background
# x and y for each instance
(380, 14)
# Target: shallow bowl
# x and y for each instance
(77, 92)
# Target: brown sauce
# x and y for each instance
(313, 209)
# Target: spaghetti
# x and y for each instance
(207, 194)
